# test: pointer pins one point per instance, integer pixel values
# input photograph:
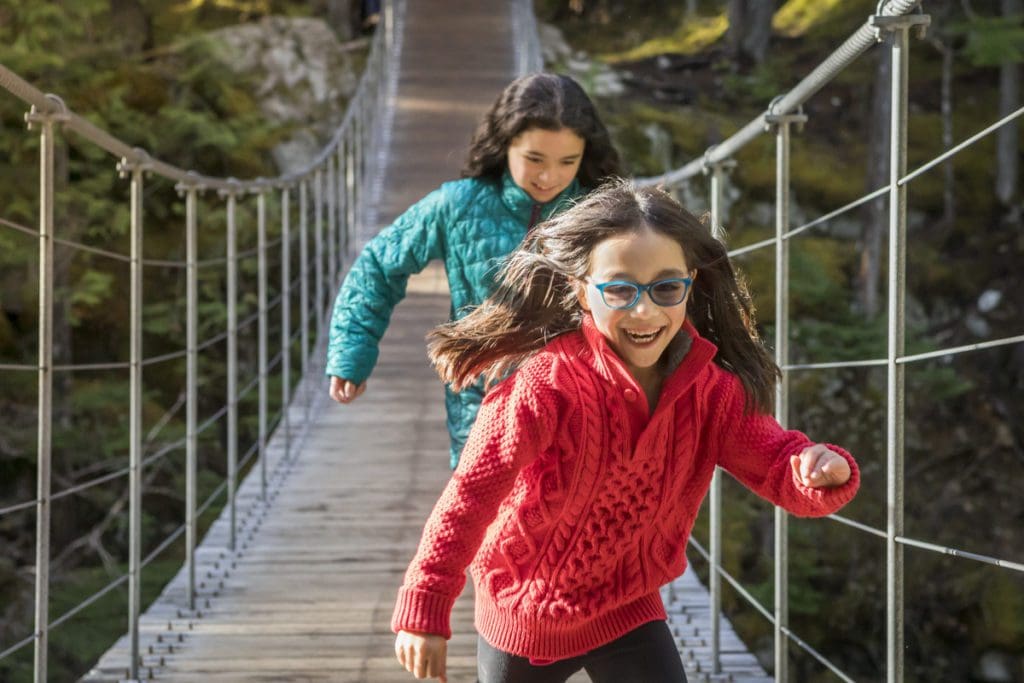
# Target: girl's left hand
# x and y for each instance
(818, 466)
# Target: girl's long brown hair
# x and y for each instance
(535, 299)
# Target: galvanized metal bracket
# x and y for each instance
(141, 161)
(56, 112)
(707, 165)
(885, 23)
(192, 183)
(772, 120)
(259, 185)
(234, 189)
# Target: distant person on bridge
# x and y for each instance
(540, 146)
(638, 370)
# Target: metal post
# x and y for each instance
(332, 220)
(45, 382)
(715, 495)
(350, 200)
(318, 222)
(232, 369)
(318, 248)
(897, 29)
(261, 267)
(286, 364)
(781, 124)
(388, 15)
(191, 388)
(304, 290)
(135, 168)
(895, 371)
(342, 233)
(357, 171)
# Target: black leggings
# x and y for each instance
(647, 654)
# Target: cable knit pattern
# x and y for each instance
(572, 506)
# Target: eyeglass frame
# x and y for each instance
(640, 289)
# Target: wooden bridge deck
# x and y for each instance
(307, 595)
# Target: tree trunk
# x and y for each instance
(342, 17)
(876, 213)
(946, 111)
(1007, 138)
(62, 258)
(691, 8)
(750, 29)
(133, 25)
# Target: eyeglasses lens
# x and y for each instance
(668, 293)
(619, 295)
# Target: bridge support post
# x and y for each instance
(286, 322)
(261, 305)
(134, 169)
(325, 200)
(781, 124)
(191, 398)
(232, 366)
(896, 31)
(344, 226)
(304, 290)
(44, 435)
(717, 171)
(318, 268)
(350, 190)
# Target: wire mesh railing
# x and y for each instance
(890, 25)
(338, 176)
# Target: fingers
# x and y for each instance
(819, 466)
(400, 653)
(835, 471)
(422, 656)
(344, 391)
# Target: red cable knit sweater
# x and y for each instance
(574, 505)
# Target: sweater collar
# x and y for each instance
(689, 352)
(523, 206)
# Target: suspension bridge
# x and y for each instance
(296, 578)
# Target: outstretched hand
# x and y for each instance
(818, 466)
(344, 391)
(423, 654)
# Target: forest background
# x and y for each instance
(671, 77)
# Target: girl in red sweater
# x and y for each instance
(637, 371)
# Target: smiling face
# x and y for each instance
(544, 162)
(639, 335)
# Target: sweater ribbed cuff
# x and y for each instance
(423, 612)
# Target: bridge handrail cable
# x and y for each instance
(784, 110)
(338, 172)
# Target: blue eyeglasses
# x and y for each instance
(623, 294)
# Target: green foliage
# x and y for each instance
(992, 41)
(154, 81)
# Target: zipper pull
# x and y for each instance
(534, 215)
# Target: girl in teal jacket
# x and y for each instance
(539, 146)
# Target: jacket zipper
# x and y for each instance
(534, 215)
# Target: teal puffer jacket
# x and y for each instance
(471, 224)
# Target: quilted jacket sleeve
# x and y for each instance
(377, 281)
(756, 450)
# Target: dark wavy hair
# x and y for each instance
(549, 102)
(535, 299)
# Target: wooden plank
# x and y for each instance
(308, 594)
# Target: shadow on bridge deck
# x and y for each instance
(307, 594)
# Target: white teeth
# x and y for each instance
(642, 338)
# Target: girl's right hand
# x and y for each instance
(344, 391)
(425, 655)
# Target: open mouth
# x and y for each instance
(643, 337)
